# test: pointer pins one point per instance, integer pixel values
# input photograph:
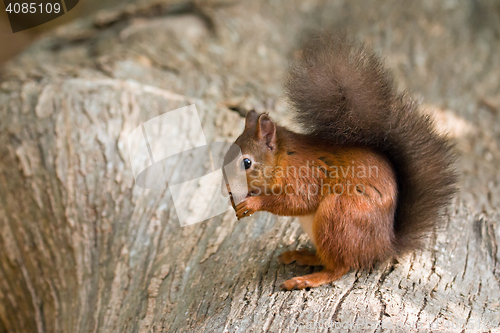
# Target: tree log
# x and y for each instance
(82, 249)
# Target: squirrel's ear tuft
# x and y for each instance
(266, 130)
(251, 119)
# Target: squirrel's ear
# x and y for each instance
(251, 119)
(266, 130)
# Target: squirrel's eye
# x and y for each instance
(246, 163)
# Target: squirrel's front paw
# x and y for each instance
(247, 207)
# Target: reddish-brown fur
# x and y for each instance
(353, 116)
(351, 229)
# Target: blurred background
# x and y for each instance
(84, 249)
(12, 43)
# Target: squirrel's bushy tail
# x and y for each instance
(342, 92)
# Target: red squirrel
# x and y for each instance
(369, 177)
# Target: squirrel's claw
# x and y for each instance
(314, 280)
(246, 208)
(295, 283)
(243, 211)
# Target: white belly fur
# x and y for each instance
(306, 221)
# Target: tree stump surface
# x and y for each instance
(82, 249)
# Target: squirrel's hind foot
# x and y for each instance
(301, 257)
(313, 280)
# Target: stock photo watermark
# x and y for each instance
(439, 325)
(170, 152)
(332, 179)
(26, 14)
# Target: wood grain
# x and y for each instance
(84, 250)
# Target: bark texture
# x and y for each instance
(84, 250)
